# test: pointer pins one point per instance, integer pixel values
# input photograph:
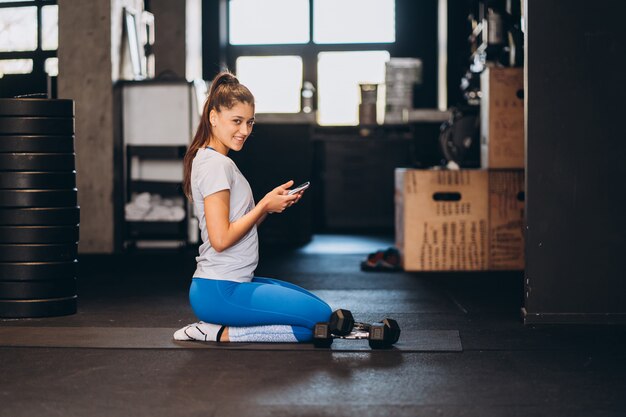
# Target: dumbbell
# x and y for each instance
(341, 322)
(383, 335)
(380, 335)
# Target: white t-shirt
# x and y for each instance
(212, 172)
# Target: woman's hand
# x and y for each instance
(277, 200)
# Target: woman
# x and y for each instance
(232, 304)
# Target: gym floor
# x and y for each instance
(502, 369)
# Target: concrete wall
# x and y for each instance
(90, 36)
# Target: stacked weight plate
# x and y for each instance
(39, 215)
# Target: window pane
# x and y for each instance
(339, 75)
(16, 66)
(275, 81)
(18, 29)
(52, 66)
(50, 27)
(255, 22)
(354, 21)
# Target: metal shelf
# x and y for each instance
(163, 188)
(156, 152)
(157, 230)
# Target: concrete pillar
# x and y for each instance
(575, 167)
(85, 77)
(90, 38)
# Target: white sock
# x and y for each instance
(275, 334)
(198, 331)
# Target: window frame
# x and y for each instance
(308, 51)
(416, 37)
(38, 55)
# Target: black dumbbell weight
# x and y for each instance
(341, 322)
(322, 336)
(384, 335)
(379, 335)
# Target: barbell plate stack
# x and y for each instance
(39, 213)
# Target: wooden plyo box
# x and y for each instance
(467, 220)
(441, 219)
(506, 219)
(502, 118)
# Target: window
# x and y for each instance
(51, 66)
(254, 22)
(354, 21)
(50, 27)
(16, 66)
(28, 39)
(275, 46)
(339, 91)
(18, 29)
(272, 97)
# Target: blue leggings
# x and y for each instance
(264, 301)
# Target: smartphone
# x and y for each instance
(299, 188)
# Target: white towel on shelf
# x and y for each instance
(153, 207)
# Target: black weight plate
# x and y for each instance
(37, 162)
(38, 308)
(37, 271)
(38, 180)
(58, 252)
(38, 234)
(36, 107)
(38, 143)
(28, 290)
(38, 198)
(39, 216)
(36, 125)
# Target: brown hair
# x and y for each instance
(225, 92)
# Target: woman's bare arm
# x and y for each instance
(222, 233)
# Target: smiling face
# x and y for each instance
(231, 127)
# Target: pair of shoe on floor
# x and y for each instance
(382, 260)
